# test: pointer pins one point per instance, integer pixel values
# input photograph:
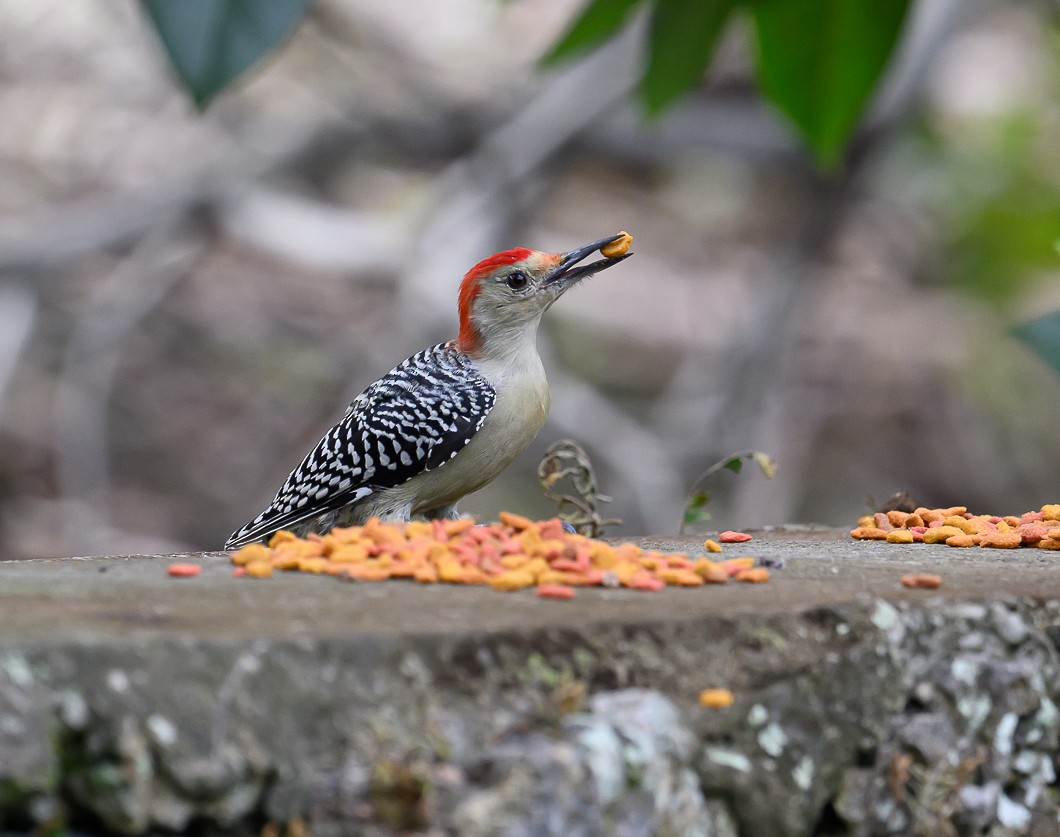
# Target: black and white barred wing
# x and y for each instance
(417, 417)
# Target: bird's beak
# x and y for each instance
(567, 271)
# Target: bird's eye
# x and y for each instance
(516, 281)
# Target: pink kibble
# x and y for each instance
(733, 537)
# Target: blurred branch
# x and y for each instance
(18, 314)
(115, 309)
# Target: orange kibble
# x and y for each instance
(313, 565)
(418, 529)
(716, 698)
(624, 571)
(1049, 543)
(551, 549)
(516, 521)
(953, 510)
(914, 520)
(899, 536)
(554, 591)
(755, 575)
(712, 546)
(426, 574)
(867, 521)
(283, 536)
(457, 527)
(618, 247)
(473, 575)
(897, 518)
(628, 552)
(868, 533)
(1001, 540)
(926, 581)
(1051, 511)
(402, 569)
(680, 577)
(258, 569)
(350, 554)
(963, 540)
(183, 570)
(369, 571)
(251, 552)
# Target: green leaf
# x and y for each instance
(1042, 334)
(211, 42)
(818, 60)
(680, 45)
(599, 20)
(735, 464)
(695, 509)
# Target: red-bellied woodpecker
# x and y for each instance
(447, 420)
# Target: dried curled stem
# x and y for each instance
(567, 460)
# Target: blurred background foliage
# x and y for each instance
(844, 211)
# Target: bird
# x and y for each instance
(445, 421)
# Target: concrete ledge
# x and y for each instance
(132, 702)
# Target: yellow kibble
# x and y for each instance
(512, 580)
(450, 570)
(602, 555)
(900, 536)
(704, 567)
(716, 698)
(868, 533)
(513, 562)
(313, 565)
(957, 522)
(939, 534)
(351, 554)
(283, 536)
(712, 546)
(618, 247)
(258, 569)
(536, 566)
(1051, 511)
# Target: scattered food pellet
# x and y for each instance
(755, 575)
(183, 570)
(555, 591)
(734, 537)
(711, 546)
(515, 554)
(924, 580)
(618, 247)
(716, 698)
